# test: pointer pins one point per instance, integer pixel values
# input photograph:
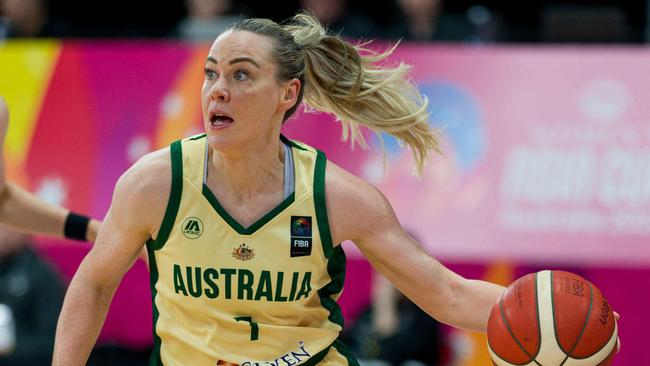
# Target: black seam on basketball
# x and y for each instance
(557, 340)
(584, 325)
(566, 358)
(505, 321)
(591, 304)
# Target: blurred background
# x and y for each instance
(535, 21)
(542, 106)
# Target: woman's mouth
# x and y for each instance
(220, 120)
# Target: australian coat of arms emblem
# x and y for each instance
(243, 253)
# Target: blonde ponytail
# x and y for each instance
(350, 82)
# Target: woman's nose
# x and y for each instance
(219, 92)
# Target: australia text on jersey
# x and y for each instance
(241, 284)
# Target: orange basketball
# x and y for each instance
(552, 318)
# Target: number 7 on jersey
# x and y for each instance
(255, 330)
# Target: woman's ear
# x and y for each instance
(291, 92)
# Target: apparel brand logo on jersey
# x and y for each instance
(192, 227)
(243, 253)
(288, 359)
(300, 236)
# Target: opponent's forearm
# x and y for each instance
(83, 314)
(24, 212)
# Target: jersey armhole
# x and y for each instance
(174, 198)
(335, 256)
(320, 203)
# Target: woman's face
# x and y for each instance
(242, 100)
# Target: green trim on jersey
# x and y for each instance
(315, 359)
(198, 137)
(335, 256)
(336, 271)
(320, 203)
(163, 234)
(291, 143)
(154, 359)
(239, 228)
(174, 197)
(345, 352)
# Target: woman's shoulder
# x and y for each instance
(343, 185)
(152, 165)
(149, 177)
(354, 205)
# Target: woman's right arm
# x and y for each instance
(137, 209)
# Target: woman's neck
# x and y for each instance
(244, 174)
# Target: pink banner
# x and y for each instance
(547, 155)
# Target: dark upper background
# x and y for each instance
(594, 21)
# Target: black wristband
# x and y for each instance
(76, 226)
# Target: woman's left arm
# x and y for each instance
(359, 212)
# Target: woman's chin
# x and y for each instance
(219, 142)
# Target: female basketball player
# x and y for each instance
(24, 212)
(243, 226)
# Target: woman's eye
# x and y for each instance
(241, 75)
(209, 74)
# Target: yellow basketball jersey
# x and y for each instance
(259, 295)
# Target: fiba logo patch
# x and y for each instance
(192, 227)
(300, 236)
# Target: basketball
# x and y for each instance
(552, 318)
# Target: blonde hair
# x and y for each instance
(349, 81)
